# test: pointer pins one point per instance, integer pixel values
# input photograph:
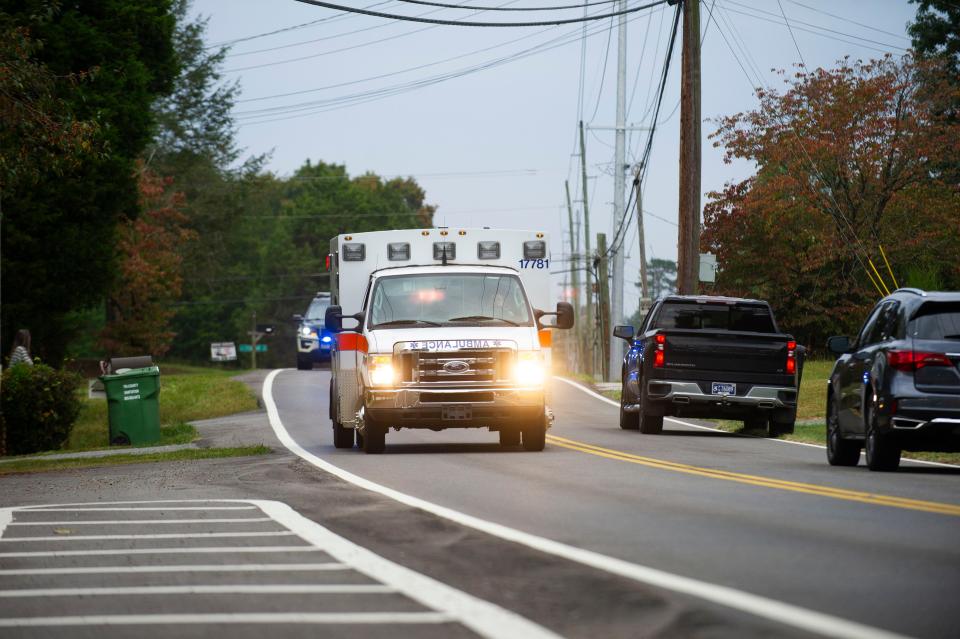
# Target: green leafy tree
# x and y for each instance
(59, 234)
(936, 32)
(39, 131)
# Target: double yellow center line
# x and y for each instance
(756, 480)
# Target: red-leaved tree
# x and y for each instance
(848, 160)
(141, 305)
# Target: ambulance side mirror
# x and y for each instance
(333, 320)
(564, 315)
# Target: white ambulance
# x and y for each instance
(441, 328)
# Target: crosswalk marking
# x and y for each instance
(122, 522)
(269, 533)
(236, 618)
(123, 570)
(239, 589)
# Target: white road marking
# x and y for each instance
(234, 618)
(484, 618)
(152, 502)
(218, 535)
(124, 570)
(719, 430)
(6, 517)
(97, 510)
(161, 551)
(243, 589)
(771, 609)
(123, 522)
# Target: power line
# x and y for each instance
(295, 27)
(355, 46)
(330, 104)
(603, 74)
(815, 30)
(845, 19)
(460, 6)
(465, 23)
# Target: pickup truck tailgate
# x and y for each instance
(726, 351)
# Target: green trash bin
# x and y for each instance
(133, 405)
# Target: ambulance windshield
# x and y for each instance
(449, 299)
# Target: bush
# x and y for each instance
(39, 406)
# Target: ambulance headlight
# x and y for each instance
(381, 370)
(306, 331)
(530, 369)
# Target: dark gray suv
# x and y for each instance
(896, 385)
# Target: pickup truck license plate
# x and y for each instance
(456, 412)
(720, 388)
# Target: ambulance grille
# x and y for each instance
(455, 366)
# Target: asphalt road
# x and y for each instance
(763, 517)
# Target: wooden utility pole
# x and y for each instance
(644, 293)
(604, 327)
(575, 272)
(588, 256)
(688, 245)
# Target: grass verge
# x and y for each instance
(191, 394)
(44, 465)
(817, 433)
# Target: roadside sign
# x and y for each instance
(223, 352)
(247, 348)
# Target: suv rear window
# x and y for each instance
(936, 320)
(752, 318)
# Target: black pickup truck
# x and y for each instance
(714, 357)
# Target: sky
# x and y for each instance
(485, 119)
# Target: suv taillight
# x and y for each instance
(791, 357)
(914, 360)
(659, 355)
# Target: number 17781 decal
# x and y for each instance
(541, 263)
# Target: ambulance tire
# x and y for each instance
(509, 437)
(342, 437)
(374, 437)
(534, 437)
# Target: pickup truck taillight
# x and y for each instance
(659, 356)
(915, 360)
(791, 357)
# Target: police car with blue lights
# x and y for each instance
(441, 328)
(314, 342)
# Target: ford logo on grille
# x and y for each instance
(456, 366)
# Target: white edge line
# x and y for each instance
(482, 617)
(776, 611)
(232, 618)
(719, 430)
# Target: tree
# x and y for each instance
(936, 32)
(39, 131)
(59, 232)
(149, 283)
(266, 249)
(661, 277)
(848, 161)
(194, 121)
